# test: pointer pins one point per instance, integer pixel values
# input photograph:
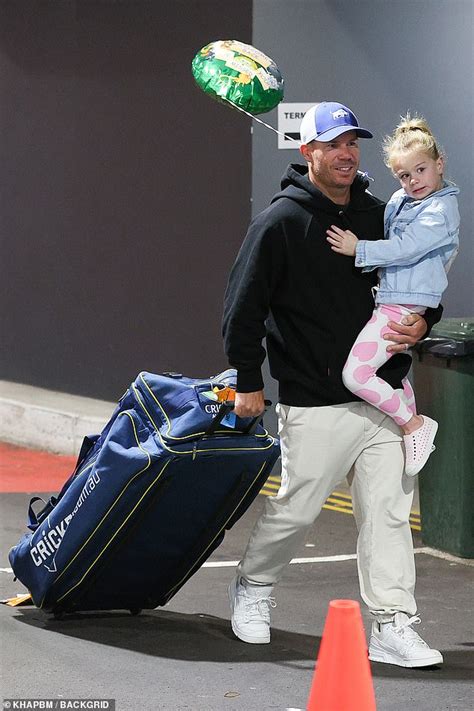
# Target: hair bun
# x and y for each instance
(415, 123)
(412, 133)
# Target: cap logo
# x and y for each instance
(340, 113)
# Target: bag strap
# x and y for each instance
(34, 519)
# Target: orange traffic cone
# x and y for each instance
(342, 680)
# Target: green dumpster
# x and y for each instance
(443, 373)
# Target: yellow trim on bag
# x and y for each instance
(89, 465)
(167, 434)
(110, 509)
(196, 450)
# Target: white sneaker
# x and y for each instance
(419, 445)
(250, 610)
(397, 643)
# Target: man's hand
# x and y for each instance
(413, 330)
(342, 241)
(249, 404)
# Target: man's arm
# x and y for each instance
(246, 308)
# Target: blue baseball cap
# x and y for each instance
(327, 120)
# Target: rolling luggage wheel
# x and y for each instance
(135, 611)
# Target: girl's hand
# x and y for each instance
(342, 241)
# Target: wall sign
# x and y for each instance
(289, 120)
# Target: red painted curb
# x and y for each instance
(26, 470)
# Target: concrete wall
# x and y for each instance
(125, 191)
(381, 58)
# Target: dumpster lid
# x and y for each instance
(451, 337)
(460, 329)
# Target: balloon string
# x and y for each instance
(363, 174)
(267, 125)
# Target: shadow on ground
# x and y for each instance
(458, 666)
(196, 637)
(173, 635)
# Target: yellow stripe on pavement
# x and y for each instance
(330, 507)
(338, 501)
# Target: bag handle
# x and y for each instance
(34, 519)
(224, 410)
(32, 516)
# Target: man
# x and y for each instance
(310, 303)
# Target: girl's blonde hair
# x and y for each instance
(411, 134)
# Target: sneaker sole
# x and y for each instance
(385, 657)
(249, 640)
(429, 450)
(241, 635)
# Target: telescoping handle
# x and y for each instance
(224, 410)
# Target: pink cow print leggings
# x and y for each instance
(368, 353)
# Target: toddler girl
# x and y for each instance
(421, 225)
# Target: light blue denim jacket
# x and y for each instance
(421, 242)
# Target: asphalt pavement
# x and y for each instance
(185, 656)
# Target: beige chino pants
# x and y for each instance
(321, 446)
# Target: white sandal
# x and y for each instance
(419, 445)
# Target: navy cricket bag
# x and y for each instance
(150, 499)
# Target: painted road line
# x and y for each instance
(338, 501)
(445, 556)
(323, 559)
(294, 561)
(234, 563)
(341, 495)
(270, 489)
(331, 507)
(425, 550)
(333, 499)
(339, 558)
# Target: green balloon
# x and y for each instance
(231, 71)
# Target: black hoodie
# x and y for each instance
(310, 302)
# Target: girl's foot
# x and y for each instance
(415, 423)
(419, 445)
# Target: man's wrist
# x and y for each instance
(432, 317)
